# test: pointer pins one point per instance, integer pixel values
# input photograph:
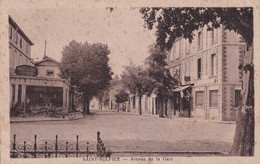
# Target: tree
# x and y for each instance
(121, 96)
(86, 67)
(163, 81)
(172, 23)
(137, 81)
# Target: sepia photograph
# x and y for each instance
(131, 84)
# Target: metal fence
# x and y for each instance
(57, 148)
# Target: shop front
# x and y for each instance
(182, 101)
(37, 91)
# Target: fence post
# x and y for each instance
(56, 146)
(45, 152)
(87, 149)
(35, 145)
(14, 147)
(77, 145)
(98, 142)
(24, 149)
(66, 153)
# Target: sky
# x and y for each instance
(122, 30)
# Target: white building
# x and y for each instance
(210, 81)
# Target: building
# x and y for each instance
(209, 78)
(30, 81)
(148, 104)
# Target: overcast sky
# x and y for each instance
(122, 30)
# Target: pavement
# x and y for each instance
(129, 132)
(79, 115)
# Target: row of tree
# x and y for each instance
(153, 77)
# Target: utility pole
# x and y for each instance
(45, 49)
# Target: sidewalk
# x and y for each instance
(192, 119)
(203, 120)
(44, 118)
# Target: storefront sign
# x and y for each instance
(26, 70)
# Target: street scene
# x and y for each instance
(124, 82)
(126, 132)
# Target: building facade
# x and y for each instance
(148, 104)
(30, 81)
(209, 79)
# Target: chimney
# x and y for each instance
(45, 49)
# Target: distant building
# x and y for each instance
(148, 104)
(38, 81)
(210, 81)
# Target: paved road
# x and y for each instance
(128, 131)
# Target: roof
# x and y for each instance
(46, 58)
(20, 31)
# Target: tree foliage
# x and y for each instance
(172, 23)
(157, 70)
(121, 96)
(137, 80)
(86, 67)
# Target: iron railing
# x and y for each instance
(57, 148)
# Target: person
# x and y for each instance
(53, 101)
(40, 101)
(28, 102)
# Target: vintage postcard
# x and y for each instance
(129, 82)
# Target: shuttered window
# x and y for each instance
(237, 98)
(199, 98)
(213, 98)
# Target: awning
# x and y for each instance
(181, 88)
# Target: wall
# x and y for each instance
(18, 55)
(228, 48)
(48, 66)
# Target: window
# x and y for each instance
(20, 60)
(171, 54)
(187, 47)
(21, 42)
(19, 93)
(237, 98)
(213, 64)
(199, 68)
(212, 36)
(49, 73)
(177, 51)
(10, 32)
(16, 37)
(213, 98)
(27, 48)
(199, 40)
(13, 92)
(199, 98)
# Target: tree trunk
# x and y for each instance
(160, 105)
(86, 105)
(140, 105)
(87, 101)
(243, 144)
(72, 101)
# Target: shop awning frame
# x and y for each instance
(181, 88)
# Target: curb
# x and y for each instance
(19, 121)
